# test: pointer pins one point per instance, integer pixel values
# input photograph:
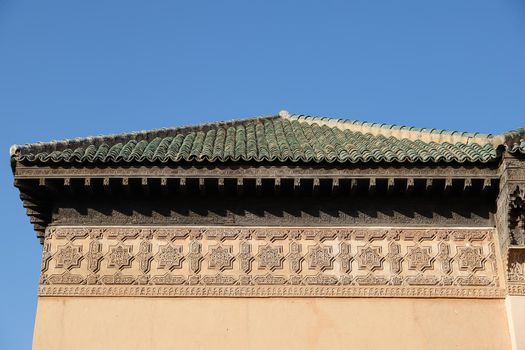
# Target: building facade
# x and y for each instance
(286, 232)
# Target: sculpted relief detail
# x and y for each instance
(516, 271)
(262, 261)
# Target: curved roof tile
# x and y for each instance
(282, 138)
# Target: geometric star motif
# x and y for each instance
(369, 258)
(120, 256)
(470, 258)
(220, 257)
(68, 256)
(419, 258)
(320, 257)
(170, 257)
(269, 257)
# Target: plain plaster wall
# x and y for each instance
(516, 317)
(65, 323)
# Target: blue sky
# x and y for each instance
(78, 68)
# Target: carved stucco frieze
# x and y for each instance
(294, 261)
(516, 270)
(510, 220)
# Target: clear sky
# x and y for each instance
(77, 68)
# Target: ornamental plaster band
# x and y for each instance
(271, 262)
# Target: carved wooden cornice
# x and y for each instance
(39, 185)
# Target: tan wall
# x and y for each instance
(274, 323)
(516, 317)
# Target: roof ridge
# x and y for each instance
(397, 131)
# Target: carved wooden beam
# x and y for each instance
(296, 186)
(240, 186)
(353, 186)
(335, 186)
(67, 186)
(429, 183)
(315, 186)
(183, 186)
(144, 183)
(467, 185)
(372, 186)
(410, 185)
(88, 186)
(277, 185)
(487, 186)
(126, 186)
(220, 185)
(164, 188)
(202, 187)
(390, 185)
(448, 186)
(268, 171)
(106, 185)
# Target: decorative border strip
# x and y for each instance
(255, 261)
(271, 291)
(516, 289)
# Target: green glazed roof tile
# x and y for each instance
(282, 138)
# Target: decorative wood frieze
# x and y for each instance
(271, 261)
(510, 221)
(260, 171)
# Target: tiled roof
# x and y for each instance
(518, 147)
(281, 138)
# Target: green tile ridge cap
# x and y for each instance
(397, 131)
(514, 140)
